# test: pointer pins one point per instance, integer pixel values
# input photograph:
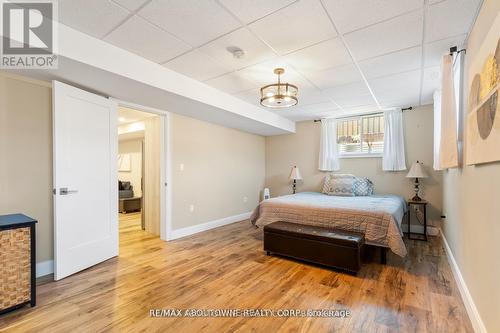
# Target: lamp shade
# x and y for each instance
(295, 174)
(417, 171)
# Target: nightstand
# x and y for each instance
(422, 204)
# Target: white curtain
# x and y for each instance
(328, 149)
(458, 89)
(448, 147)
(437, 129)
(394, 142)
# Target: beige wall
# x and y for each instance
(26, 156)
(222, 166)
(302, 149)
(133, 148)
(471, 199)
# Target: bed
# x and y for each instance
(378, 217)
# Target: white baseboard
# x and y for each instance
(183, 232)
(44, 268)
(470, 306)
(418, 228)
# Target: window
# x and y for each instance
(361, 136)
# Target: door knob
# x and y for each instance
(65, 191)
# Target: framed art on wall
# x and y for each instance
(483, 118)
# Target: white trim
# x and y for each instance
(417, 228)
(360, 155)
(470, 306)
(165, 165)
(44, 268)
(183, 232)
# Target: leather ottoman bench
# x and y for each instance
(324, 246)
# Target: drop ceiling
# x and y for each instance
(346, 56)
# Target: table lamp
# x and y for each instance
(295, 175)
(416, 171)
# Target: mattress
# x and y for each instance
(378, 217)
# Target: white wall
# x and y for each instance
(133, 148)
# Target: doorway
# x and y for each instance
(85, 177)
(139, 171)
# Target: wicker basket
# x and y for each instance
(15, 271)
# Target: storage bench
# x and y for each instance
(329, 247)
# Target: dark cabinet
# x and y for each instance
(17, 262)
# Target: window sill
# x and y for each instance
(360, 155)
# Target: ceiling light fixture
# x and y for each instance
(279, 95)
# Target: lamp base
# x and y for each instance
(416, 198)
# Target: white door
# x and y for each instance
(85, 179)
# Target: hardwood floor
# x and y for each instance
(226, 268)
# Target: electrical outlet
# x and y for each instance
(245, 199)
(191, 208)
(181, 167)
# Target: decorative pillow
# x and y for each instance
(362, 186)
(328, 179)
(341, 186)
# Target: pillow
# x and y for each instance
(362, 187)
(341, 186)
(330, 177)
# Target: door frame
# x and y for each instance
(165, 166)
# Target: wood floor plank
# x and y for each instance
(227, 268)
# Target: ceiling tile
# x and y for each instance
(356, 110)
(299, 25)
(310, 95)
(400, 87)
(450, 18)
(195, 22)
(431, 82)
(392, 63)
(197, 65)
(255, 50)
(83, 16)
(130, 4)
(351, 95)
(141, 37)
(251, 10)
(434, 51)
(396, 34)
(354, 14)
(318, 108)
(232, 83)
(335, 76)
(324, 55)
(263, 74)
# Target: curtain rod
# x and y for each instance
(454, 49)
(366, 114)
